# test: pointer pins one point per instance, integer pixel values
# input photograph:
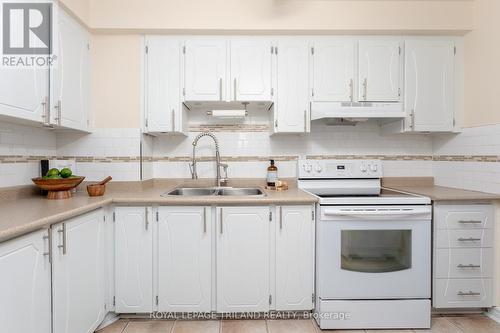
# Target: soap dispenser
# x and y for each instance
(272, 174)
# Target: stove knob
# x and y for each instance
(307, 167)
(373, 168)
(318, 168)
(363, 168)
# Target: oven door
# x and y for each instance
(374, 252)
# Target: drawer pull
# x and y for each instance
(471, 239)
(468, 266)
(470, 222)
(470, 293)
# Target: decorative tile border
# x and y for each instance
(11, 159)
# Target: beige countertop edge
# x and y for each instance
(284, 198)
(441, 193)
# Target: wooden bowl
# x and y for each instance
(96, 190)
(58, 188)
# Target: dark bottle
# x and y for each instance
(272, 174)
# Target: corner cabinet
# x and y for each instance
(243, 259)
(70, 77)
(295, 258)
(292, 107)
(25, 284)
(133, 260)
(163, 76)
(78, 273)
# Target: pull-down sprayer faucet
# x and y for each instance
(194, 175)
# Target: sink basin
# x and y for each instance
(190, 191)
(223, 191)
(240, 191)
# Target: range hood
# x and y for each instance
(356, 110)
(232, 105)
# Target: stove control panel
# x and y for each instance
(339, 169)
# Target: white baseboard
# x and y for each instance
(109, 319)
(494, 313)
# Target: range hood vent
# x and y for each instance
(356, 111)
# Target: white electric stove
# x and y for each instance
(373, 248)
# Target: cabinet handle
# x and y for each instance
(58, 114)
(471, 239)
(234, 88)
(281, 217)
(146, 220)
(468, 266)
(276, 123)
(412, 119)
(48, 237)
(470, 222)
(63, 231)
(221, 222)
(351, 88)
(220, 89)
(305, 120)
(470, 293)
(46, 111)
(173, 120)
(365, 89)
(204, 220)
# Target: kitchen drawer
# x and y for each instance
(463, 263)
(463, 216)
(463, 293)
(463, 238)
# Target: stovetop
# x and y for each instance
(386, 197)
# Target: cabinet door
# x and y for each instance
(429, 84)
(206, 69)
(25, 284)
(243, 259)
(78, 277)
(163, 84)
(133, 260)
(251, 70)
(333, 70)
(70, 78)
(291, 110)
(24, 93)
(379, 70)
(184, 259)
(294, 258)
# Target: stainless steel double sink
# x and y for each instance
(215, 191)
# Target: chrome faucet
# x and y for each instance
(220, 181)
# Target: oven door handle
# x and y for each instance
(366, 214)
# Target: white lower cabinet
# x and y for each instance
(78, 274)
(243, 259)
(295, 258)
(463, 256)
(184, 259)
(133, 260)
(25, 284)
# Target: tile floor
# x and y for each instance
(440, 324)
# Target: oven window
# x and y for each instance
(376, 251)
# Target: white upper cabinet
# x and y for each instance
(250, 69)
(206, 70)
(184, 259)
(333, 68)
(429, 85)
(163, 78)
(243, 259)
(379, 70)
(24, 94)
(295, 258)
(78, 273)
(133, 260)
(25, 284)
(70, 77)
(291, 108)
